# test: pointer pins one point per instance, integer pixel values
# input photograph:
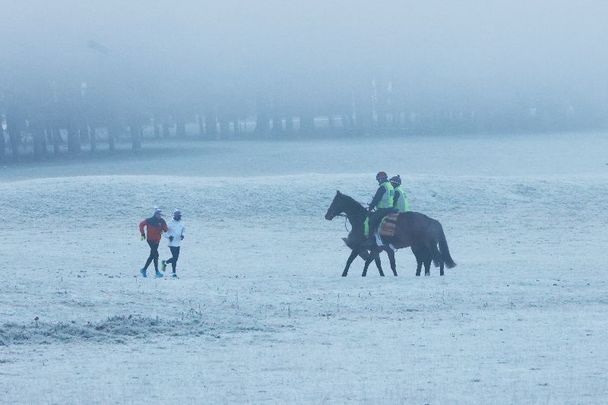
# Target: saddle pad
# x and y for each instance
(388, 226)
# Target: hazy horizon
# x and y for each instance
(466, 52)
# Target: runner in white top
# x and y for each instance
(175, 234)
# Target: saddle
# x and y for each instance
(388, 226)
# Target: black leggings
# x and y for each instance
(175, 254)
(153, 255)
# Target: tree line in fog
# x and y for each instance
(80, 117)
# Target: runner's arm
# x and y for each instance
(142, 225)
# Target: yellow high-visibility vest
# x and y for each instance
(388, 196)
(401, 203)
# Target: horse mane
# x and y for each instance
(354, 202)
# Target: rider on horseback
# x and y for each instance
(400, 202)
(383, 202)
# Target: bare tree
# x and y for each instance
(13, 127)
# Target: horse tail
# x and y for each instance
(444, 250)
(436, 255)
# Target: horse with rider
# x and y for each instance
(388, 224)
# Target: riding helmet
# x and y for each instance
(381, 176)
(396, 180)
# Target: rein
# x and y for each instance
(346, 216)
(345, 221)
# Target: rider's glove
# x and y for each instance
(171, 238)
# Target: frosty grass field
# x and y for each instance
(261, 314)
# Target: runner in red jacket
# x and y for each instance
(151, 229)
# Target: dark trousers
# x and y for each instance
(175, 254)
(153, 255)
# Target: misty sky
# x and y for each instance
(433, 48)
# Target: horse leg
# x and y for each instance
(349, 261)
(427, 264)
(376, 254)
(391, 257)
(437, 258)
(378, 263)
(367, 262)
(372, 257)
(424, 253)
(418, 261)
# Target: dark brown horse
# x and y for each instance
(423, 234)
(356, 215)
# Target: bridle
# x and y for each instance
(346, 218)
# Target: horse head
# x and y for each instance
(336, 207)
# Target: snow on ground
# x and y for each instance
(261, 314)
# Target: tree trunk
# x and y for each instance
(46, 136)
(14, 136)
(277, 126)
(2, 143)
(262, 124)
(45, 141)
(347, 124)
(180, 128)
(38, 140)
(331, 125)
(289, 125)
(55, 134)
(224, 129)
(307, 124)
(135, 130)
(73, 139)
(237, 127)
(112, 134)
(201, 125)
(92, 138)
(211, 125)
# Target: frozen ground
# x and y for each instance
(261, 314)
